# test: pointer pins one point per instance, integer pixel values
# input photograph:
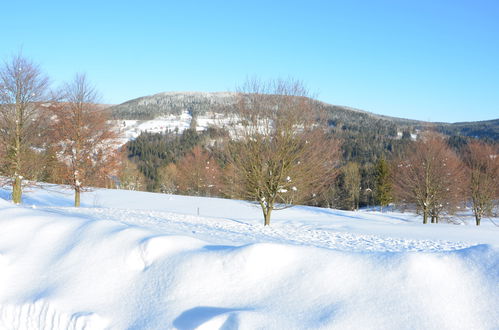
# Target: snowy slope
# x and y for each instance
(132, 260)
(131, 129)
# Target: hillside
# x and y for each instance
(366, 136)
(134, 260)
(201, 104)
(172, 103)
(487, 129)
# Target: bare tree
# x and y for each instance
(198, 174)
(168, 177)
(86, 138)
(129, 176)
(482, 161)
(22, 88)
(383, 184)
(279, 152)
(351, 178)
(429, 176)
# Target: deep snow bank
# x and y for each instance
(76, 272)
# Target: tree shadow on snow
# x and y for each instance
(219, 247)
(330, 212)
(49, 197)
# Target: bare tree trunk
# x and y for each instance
(266, 216)
(267, 210)
(16, 190)
(425, 217)
(77, 197)
(17, 185)
(478, 217)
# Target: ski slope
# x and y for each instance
(135, 260)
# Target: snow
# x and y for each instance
(135, 260)
(131, 129)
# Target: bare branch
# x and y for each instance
(279, 153)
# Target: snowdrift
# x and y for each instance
(82, 270)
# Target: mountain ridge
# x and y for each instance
(196, 103)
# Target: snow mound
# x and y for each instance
(41, 315)
(150, 268)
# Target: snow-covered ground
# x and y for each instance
(131, 129)
(134, 260)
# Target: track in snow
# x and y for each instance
(235, 232)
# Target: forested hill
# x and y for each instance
(488, 129)
(163, 104)
(199, 103)
(342, 117)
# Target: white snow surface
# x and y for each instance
(131, 129)
(135, 260)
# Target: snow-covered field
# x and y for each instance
(134, 260)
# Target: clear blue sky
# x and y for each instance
(423, 59)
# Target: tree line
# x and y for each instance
(429, 177)
(278, 150)
(274, 146)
